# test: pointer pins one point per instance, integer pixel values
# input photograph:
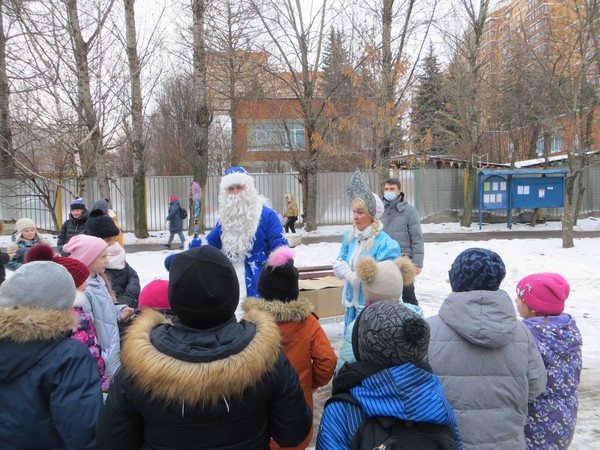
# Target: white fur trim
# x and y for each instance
(236, 178)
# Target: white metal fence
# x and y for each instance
(433, 191)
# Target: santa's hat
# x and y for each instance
(236, 175)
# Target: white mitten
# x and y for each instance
(341, 269)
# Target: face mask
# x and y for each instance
(389, 196)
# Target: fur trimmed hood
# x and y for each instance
(294, 311)
(22, 324)
(172, 380)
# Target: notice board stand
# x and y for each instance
(508, 189)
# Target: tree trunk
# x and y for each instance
(388, 94)
(7, 167)
(137, 123)
(568, 217)
(469, 192)
(310, 201)
(87, 114)
(202, 117)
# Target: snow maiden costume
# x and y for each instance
(372, 241)
(247, 230)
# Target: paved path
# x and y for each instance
(429, 237)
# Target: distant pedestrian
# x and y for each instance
(291, 213)
(401, 221)
(175, 221)
(486, 358)
(553, 415)
(74, 225)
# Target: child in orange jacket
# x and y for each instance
(304, 342)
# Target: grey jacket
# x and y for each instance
(401, 221)
(489, 365)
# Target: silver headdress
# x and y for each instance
(359, 188)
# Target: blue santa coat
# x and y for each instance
(268, 236)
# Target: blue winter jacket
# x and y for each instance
(22, 246)
(174, 217)
(269, 236)
(384, 248)
(50, 393)
(405, 392)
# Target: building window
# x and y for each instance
(556, 145)
(269, 137)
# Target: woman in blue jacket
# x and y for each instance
(365, 239)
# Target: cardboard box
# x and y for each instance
(325, 293)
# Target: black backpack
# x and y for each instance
(182, 213)
(390, 433)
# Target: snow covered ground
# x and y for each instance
(579, 265)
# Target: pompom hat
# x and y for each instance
(236, 175)
(279, 278)
(39, 284)
(85, 248)
(203, 288)
(476, 269)
(390, 334)
(544, 293)
(77, 269)
(384, 280)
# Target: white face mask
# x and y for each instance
(389, 196)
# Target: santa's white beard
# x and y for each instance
(80, 299)
(239, 215)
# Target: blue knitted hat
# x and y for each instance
(477, 269)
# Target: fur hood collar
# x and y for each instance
(22, 325)
(172, 380)
(294, 311)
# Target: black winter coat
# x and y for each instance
(50, 394)
(3, 260)
(70, 228)
(125, 284)
(224, 388)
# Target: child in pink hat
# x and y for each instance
(552, 416)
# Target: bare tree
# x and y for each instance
(6, 148)
(202, 115)
(137, 124)
(464, 90)
(297, 42)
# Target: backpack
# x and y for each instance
(390, 433)
(182, 213)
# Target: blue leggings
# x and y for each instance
(172, 235)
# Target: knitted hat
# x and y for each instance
(155, 295)
(384, 280)
(203, 287)
(77, 269)
(477, 269)
(168, 261)
(279, 278)
(85, 248)
(101, 226)
(236, 175)
(173, 198)
(101, 205)
(39, 284)
(21, 225)
(544, 293)
(390, 334)
(78, 203)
